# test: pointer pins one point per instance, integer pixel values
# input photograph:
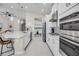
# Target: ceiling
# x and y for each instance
(20, 9)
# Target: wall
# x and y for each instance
(30, 20)
(5, 22)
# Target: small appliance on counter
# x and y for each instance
(52, 30)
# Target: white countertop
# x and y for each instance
(15, 34)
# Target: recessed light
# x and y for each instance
(44, 3)
(18, 21)
(11, 18)
(11, 6)
(26, 7)
(42, 10)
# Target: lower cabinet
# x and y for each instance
(53, 43)
(21, 43)
(19, 46)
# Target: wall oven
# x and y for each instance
(69, 47)
(69, 34)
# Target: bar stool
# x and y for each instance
(6, 42)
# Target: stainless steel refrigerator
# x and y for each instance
(44, 32)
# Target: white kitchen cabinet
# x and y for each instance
(63, 7)
(26, 39)
(52, 39)
(65, 11)
(21, 43)
(53, 43)
(49, 41)
(55, 47)
(18, 46)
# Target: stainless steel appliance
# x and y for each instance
(69, 36)
(44, 32)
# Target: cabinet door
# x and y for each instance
(65, 6)
(26, 39)
(49, 42)
(55, 45)
(19, 46)
(53, 42)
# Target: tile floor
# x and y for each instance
(38, 48)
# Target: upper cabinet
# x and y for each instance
(53, 15)
(63, 7)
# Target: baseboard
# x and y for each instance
(27, 45)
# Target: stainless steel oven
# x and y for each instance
(69, 47)
(69, 36)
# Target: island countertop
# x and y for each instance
(20, 39)
(15, 34)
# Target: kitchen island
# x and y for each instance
(21, 40)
